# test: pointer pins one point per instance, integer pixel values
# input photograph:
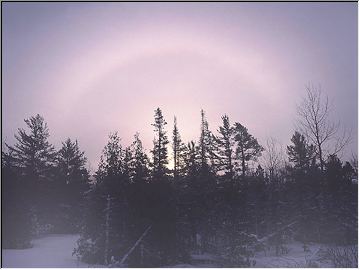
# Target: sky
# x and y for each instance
(95, 68)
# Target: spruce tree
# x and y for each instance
(71, 163)
(106, 227)
(206, 147)
(340, 208)
(178, 151)
(191, 160)
(128, 157)
(140, 162)
(112, 159)
(72, 183)
(160, 152)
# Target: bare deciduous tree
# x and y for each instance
(315, 122)
(273, 157)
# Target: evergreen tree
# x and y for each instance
(71, 163)
(34, 159)
(178, 151)
(191, 160)
(106, 228)
(300, 153)
(206, 147)
(72, 183)
(159, 152)
(16, 222)
(302, 188)
(112, 159)
(340, 205)
(349, 172)
(248, 147)
(128, 158)
(33, 154)
(334, 174)
(113, 177)
(225, 143)
(140, 162)
(197, 213)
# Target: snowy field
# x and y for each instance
(50, 251)
(56, 251)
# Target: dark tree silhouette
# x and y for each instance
(72, 181)
(247, 148)
(160, 152)
(139, 163)
(206, 147)
(300, 152)
(106, 216)
(34, 158)
(33, 154)
(135, 215)
(315, 123)
(17, 220)
(224, 143)
(178, 151)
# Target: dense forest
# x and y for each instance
(216, 197)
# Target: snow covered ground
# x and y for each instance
(50, 251)
(296, 257)
(56, 251)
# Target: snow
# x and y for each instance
(56, 251)
(295, 258)
(51, 251)
(205, 256)
(181, 266)
(205, 260)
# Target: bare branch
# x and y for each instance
(315, 123)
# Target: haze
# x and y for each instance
(94, 68)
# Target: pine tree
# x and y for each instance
(140, 162)
(128, 158)
(33, 154)
(71, 162)
(202, 142)
(34, 159)
(178, 151)
(206, 146)
(225, 143)
(300, 153)
(339, 207)
(112, 159)
(106, 227)
(114, 183)
(191, 159)
(16, 223)
(72, 183)
(248, 147)
(159, 152)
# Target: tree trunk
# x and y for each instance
(107, 228)
(243, 162)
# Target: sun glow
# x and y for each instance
(112, 65)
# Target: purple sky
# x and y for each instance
(94, 68)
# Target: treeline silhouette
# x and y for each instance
(138, 212)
